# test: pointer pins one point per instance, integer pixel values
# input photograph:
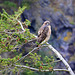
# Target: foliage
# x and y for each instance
(10, 4)
(28, 3)
(12, 37)
(37, 62)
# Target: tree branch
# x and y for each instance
(21, 25)
(61, 58)
(34, 69)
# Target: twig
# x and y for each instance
(34, 69)
(56, 61)
(61, 58)
(23, 28)
(45, 64)
(21, 25)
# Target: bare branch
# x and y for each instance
(62, 59)
(21, 25)
(56, 61)
(35, 69)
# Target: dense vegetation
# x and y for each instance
(12, 37)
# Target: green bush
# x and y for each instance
(10, 4)
(11, 37)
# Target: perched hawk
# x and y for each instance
(44, 32)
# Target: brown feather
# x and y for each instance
(44, 32)
(42, 36)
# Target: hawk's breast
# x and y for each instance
(44, 34)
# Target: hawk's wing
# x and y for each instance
(42, 34)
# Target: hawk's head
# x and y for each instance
(47, 23)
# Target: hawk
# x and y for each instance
(44, 32)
